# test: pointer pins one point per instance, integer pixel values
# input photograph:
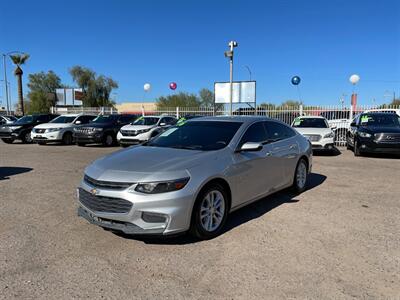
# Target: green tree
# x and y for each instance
(290, 103)
(19, 60)
(42, 88)
(181, 99)
(96, 89)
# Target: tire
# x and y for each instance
(300, 177)
(108, 140)
(356, 149)
(81, 144)
(67, 138)
(41, 143)
(7, 141)
(211, 199)
(26, 138)
(124, 145)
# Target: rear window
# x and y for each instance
(310, 123)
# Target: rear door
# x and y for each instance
(284, 148)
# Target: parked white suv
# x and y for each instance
(143, 129)
(317, 130)
(59, 129)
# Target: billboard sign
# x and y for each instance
(242, 92)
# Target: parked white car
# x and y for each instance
(384, 110)
(317, 130)
(143, 129)
(59, 129)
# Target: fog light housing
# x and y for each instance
(150, 217)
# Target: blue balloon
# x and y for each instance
(296, 80)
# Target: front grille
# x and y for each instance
(111, 185)
(313, 137)
(40, 130)
(387, 137)
(129, 132)
(4, 133)
(84, 130)
(104, 204)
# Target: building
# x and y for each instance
(136, 107)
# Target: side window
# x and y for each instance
(277, 131)
(170, 121)
(126, 119)
(163, 120)
(255, 133)
(2, 121)
(43, 118)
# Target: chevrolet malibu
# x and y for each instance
(190, 177)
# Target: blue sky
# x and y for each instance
(135, 42)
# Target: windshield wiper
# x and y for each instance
(194, 147)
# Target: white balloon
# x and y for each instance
(147, 87)
(354, 79)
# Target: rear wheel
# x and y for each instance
(209, 212)
(300, 176)
(67, 138)
(108, 140)
(7, 141)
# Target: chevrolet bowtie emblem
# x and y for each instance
(94, 192)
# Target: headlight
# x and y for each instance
(161, 187)
(364, 134)
(329, 135)
(53, 129)
(142, 131)
(15, 127)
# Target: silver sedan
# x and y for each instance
(190, 177)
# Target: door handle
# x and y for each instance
(269, 153)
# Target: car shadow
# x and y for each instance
(334, 152)
(381, 155)
(7, 172)
(236, 218)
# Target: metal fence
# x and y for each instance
(339, 117)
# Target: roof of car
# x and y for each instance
(242, 119)
(312, 117)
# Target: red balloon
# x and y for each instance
(173, 85)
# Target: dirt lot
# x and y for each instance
(340, 239)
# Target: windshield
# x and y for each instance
(105, 119)
(381, 120)
(146, 121)
(310, 123)
(25, 119)
(195, 135)
(10, 118)
(63, 119)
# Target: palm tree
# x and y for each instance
(18, 60)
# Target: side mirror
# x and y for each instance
(163, 124)
(333, 127)
(78, 122)
(250, 146)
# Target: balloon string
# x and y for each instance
(299, 94)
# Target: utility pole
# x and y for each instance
(5, 82)
(229, 54)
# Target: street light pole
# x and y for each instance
(248, 69)
(229, 54)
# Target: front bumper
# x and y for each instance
(369, 146)
(9, 135)
(323, 144)
(132, 140)
(55, 136)
(94, 138)
(174, 207)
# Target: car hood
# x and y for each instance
(136, 127)
(145, 163)
(378, 129)
(54, 125)
(13, 124)
(310, 130)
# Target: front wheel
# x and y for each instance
(26, 138)
(300, 177)
(209, 212)
(356, 149)
(108, 140)
(7, 141)
(67, 138)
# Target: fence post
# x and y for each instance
(177, 112)
(351, 112)
(301, 109)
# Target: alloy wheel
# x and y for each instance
(301, 175)
(212, 210)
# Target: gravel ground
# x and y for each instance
(340, 239)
